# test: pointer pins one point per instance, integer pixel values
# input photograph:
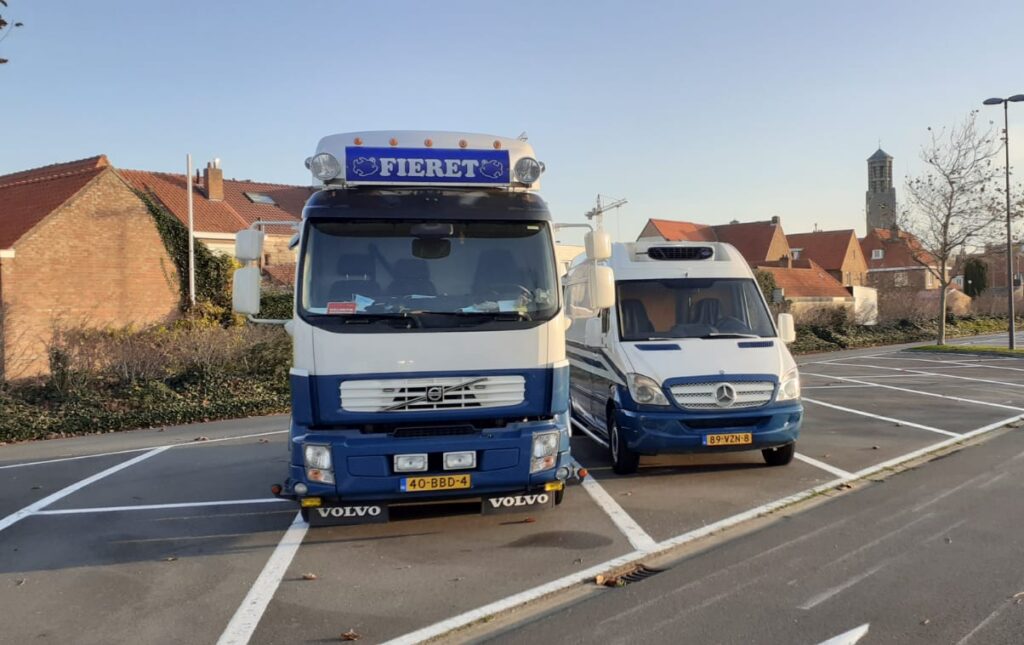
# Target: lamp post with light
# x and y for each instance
(1009, 235)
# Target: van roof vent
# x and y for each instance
(680, 252)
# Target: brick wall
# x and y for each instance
(96, 261)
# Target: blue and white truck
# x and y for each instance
(687, 359)
(428, 329)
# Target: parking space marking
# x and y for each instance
(880, 417)
(906, 370)
(530, 595)
(629, 527)
(151, 507)
(17, 516)
(249, 613)
(838, 589)
(922, 392)
(838, 472)
(131, 450)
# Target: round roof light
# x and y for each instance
(527, 170)
(324, 166)
(358, 141)
(463, 143)
(428, 142)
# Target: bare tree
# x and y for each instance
(6, 28)
(951, 202)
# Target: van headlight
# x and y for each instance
(645, 390)
(544, 451)
(789, 387)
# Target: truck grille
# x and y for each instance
(704, 396)
(441, 393)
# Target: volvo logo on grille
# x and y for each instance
(435, 393)
(725, 395)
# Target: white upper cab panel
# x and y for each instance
(653, 260)
(425, 158)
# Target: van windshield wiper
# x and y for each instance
(717, 334)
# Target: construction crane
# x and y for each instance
(601, 208)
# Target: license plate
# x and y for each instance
(731, 439)
(435, 482)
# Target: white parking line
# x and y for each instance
(64, 492)
(248, 614)
(151, 507)
(880, 417)
(825, 595)
(530, 595)
(626, 524)
(925, 373)
(838, 472)
(922, 392)
(131, 450)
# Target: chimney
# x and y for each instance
(213, 180)
(775, 219)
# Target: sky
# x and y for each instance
(697, 111)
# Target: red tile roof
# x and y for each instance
(827, 248)
(752, 239)
(28, 196)
(281, 274)
(230, 215)
(900, 249)
(806, 280)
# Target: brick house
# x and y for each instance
(222, 207)
(897, 260)
(77, 247)
(807, 286)
(838, 252)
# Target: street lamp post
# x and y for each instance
(1009, 235)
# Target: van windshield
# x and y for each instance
(692, 308)
(428, 274)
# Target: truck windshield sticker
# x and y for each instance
(426, 166)
(340, 308)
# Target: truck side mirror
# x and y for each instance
(248, 245)
(602, 288)
(787, 328)
(592, 335)
(598, 245)
(245, 291)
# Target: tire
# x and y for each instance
(624, 460)
(779, 456)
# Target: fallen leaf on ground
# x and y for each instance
(170, 558)
(19, 582)
(309, 576)
(201, 439)
(529, 520)
(264, 440)
(350, 635)
(925, 621)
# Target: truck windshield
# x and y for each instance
(429, 274)
(692, 308)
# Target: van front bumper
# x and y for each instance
(675, 431)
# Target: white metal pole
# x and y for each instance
(191, 235)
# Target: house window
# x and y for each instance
(260, 198)
(877, 254)
(796, 254)
(899, 279)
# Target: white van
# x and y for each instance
(687, 359)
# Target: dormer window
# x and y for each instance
(877, 254)
(796, 253)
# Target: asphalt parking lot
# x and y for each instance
(156, 536)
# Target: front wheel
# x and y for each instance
(779, 456)
(624, 460)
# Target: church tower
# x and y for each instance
(881, 196)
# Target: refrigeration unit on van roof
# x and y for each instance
(423, 158)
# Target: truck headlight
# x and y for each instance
(789, 387)
(324, 166)
(527, 170)
(318, 463)
(645, 390)
(544, 452)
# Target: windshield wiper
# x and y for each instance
(364, 318)
(716, 334)
(493, 315)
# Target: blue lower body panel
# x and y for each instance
(651, 433)
(364, 463)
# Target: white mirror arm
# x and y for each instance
(261, 223)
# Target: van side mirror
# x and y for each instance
(602, 288)
(248, 245)
(592, 335)
(245, 291)
(598, 245)
(787, 328)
